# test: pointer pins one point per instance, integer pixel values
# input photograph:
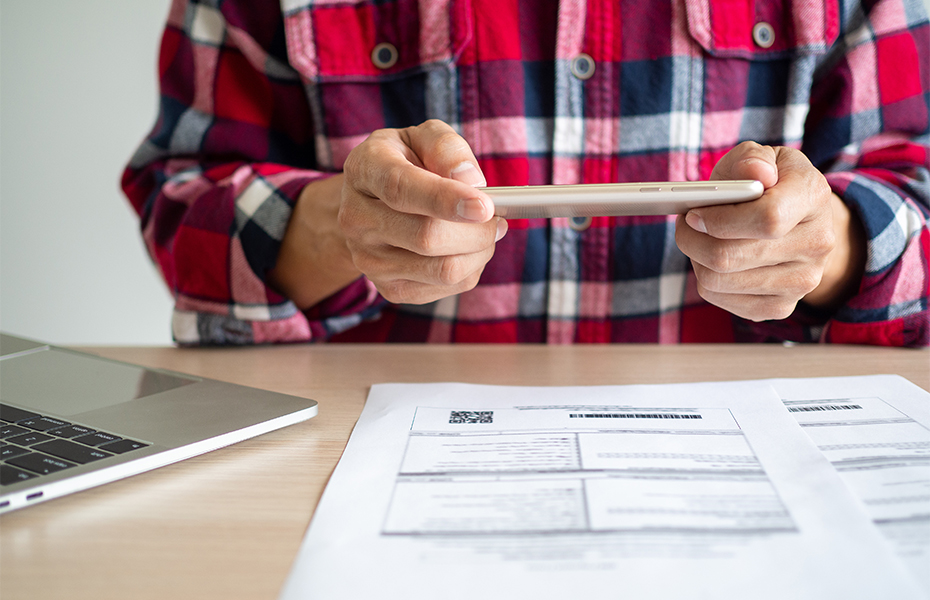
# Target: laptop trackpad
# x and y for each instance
(79, 384)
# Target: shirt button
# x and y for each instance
(384, 56)
(583, 66)
(763, 34)
(579, 223)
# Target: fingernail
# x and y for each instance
(471, 209)
(501, 229)
(696, 221)
(466, 172)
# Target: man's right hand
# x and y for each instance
(413, 221)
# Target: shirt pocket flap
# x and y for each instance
(338, 41)
(763, 29)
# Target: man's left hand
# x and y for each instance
(758, 259)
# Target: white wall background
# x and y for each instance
(77, 93)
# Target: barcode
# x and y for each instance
(468, 416)
(824, 407)
(632, 416)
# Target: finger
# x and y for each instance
(806, 243)
(413, 292)
(427, 236)
(394, 272)
(726, 256)
(790, 280)
(800, 195)
(752, 307)
(412, 171)
(373, 223)
(440, 271)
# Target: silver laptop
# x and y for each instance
(71, 420)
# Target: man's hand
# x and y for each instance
(798, 241)
(414, 223)
(405, 213)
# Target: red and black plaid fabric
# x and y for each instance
(259, 98)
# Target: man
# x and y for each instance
(314, 171)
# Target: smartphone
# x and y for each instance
(617, 199)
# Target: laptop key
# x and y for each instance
(11, 430)
(12, 414)
(42, 423)
(95, 439)
(121, 446)
(71, 431)
(39, 463)
(9, 451)
(10, 475)
(28, 439)
(71, 451)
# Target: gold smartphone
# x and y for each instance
(617, 199)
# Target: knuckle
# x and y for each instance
(444, 142)
(427, 238)
(348, 216)
(823, 242)
(364, 262)
(449, 142)
(395, 292)
(710, 280)
(471, 281)
(428, 125)
(432, 126)
(783, 309)
(772, 308)
(722, 260)
(450, 270)
(393, 182)
(390, 293)
(360, 154)
(821, 187)
(806, 282)
(749, 146)
(708, 295)
(352, 165)
(773, 220)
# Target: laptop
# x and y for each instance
(71, 420)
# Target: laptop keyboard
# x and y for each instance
(34, 445)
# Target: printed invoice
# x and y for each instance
(876, 432)
(697, 490)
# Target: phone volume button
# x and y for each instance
(650, 189)
(696, 188)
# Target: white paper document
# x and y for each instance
(708, 490)
(876, 432)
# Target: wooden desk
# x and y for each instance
(228, 524)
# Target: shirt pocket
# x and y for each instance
(368, 66)
(756, 72)
(763, 29)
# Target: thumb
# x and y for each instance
(749, 160)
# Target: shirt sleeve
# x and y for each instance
(868, 132)
(215, 181)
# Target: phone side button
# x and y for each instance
(696, 188)
(650, 189)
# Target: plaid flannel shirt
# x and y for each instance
(258, 99)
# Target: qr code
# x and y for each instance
(469, 416)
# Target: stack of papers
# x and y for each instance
(801, 488)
